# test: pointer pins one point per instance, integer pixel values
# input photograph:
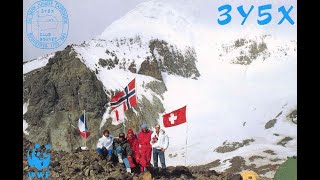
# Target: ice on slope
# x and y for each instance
(37, 63)
(25, 124)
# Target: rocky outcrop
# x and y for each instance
(64, 84)
(150, 68)
(80, 164)
(293, 116)
(246, 50)
(108, 63)
(174, 61)
(232, 146)
(57, 95)
(133, 68)
(284, 141)
(270, 124)
(157, 87)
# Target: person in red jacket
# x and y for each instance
(144, 138)
(134, 144)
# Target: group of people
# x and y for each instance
(134, 150)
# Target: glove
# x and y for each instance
(138, 160)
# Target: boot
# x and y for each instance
(141, 169)
(129, 170)
(109, 160)
(120, 158)
(101, 157)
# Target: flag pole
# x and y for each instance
(85, 131)
(124, 127)
(185, 162)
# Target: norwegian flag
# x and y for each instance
(127, 97)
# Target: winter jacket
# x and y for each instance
(144, 139)
(105, 142)
(162, 140)
(125, 147)
(134, 144)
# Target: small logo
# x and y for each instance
(39, 160)
(47, 24)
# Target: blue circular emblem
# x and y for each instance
(47, 24)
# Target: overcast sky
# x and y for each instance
(89, 18)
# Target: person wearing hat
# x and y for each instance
(123, 150)
(160, 143)
(144, 138)
(104, 145)
(134, 144)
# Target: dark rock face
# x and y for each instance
(284, 141)
(232, 146)
(109, 63)
(270, 124)
(180, 170)
(293, 116)
(157, 87)
(150, 68)
(132, 68)
(65, 83)
(57, 95)
(173, 61)
(167, 58)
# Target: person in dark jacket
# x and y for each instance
(123, 150)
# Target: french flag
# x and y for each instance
(83, 128)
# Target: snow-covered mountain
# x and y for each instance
(240, 88)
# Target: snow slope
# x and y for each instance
(37, 63)
(166, 20)
(228, 95)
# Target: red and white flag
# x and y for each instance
(175, 118)
(126, 98)
(118, 115)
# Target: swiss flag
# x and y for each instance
(175, 117)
